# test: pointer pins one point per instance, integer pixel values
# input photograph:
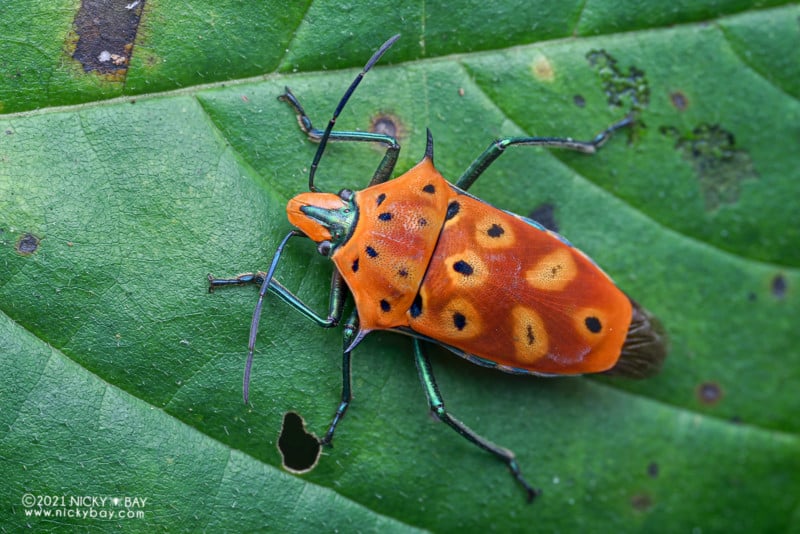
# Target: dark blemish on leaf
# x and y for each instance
(579, 101)
(299, 448)
(719, 166)
(27, 244)
(641, 502)
(679, 100)
(386, 124)
(709, 393)
(545, 214)
(105, 33)
(623, 89)
(752, 297)
(652, 470)
(779, 286)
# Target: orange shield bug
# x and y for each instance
(422, 257)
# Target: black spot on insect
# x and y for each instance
(416, 307)
(385, 216)
(403, 273)
(355, 265)
(452, 210)
(593, 324)
(385, 306)
(579, 100)
(459, 321)
(422, 221)
(27, 244)
(299, 449)
(463, 267)
(429, 189)
(381, 198)
(779, 286)
(495, 231)
(530, 336)
(371, 252)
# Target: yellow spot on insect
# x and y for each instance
(530, 336)
(460, 320)
(542, 69)
(494, 232)
(466, 269)
(554, 271)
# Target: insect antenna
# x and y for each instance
(324, 140)
(251, 345)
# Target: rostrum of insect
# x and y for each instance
(421, 256)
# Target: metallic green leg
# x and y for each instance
(350, 334)
(336, 304)
(437, 408)
(386, 166)
(498, 147)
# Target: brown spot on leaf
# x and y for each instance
(386, 124)
(709, 393)
(679, 100)
(106, 32)
(27, 244)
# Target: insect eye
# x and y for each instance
(324, 248)
(346, 194)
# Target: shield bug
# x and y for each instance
(422, 257)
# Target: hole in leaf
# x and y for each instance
(299, 448)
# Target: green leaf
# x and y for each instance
(122, 374)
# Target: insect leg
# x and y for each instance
(497, 147)
(389, 159)
(437, 408)
(336, 301)
(350, 333)
(386, 166)
(335, 306)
